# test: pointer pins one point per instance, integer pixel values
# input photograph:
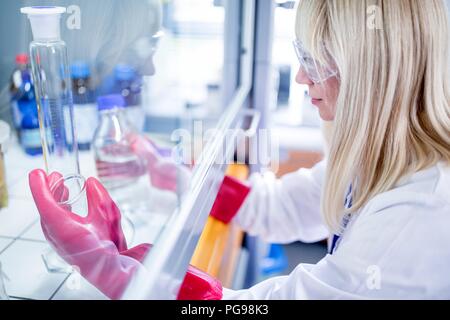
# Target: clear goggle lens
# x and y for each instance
(315, 71)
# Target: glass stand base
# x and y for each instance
(3, 294)
(128, 229)
(54, 263)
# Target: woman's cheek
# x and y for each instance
(331, 97)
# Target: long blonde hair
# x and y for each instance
(393, 109)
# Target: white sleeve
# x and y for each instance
(400, 251)
(301, 284)
(287, 209)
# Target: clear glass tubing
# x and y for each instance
(70, 193)
(52, 81)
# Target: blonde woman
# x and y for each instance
(383, 192)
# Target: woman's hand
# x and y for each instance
(164, 173)
(96, 245)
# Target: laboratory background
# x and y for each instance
(167, 72)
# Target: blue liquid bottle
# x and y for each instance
(24, 108)
(30, 137)
(18, 88)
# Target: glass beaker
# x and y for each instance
(70, 193)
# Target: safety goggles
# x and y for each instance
(315, 71)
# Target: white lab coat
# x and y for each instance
(396, 247)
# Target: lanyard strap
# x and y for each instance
(336, 237)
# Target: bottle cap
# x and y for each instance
(80, 70)
(22, 59)
(110, 102)
(45, 21)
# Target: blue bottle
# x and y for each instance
(30, 137)
(84, 108)
(23, 106)
(21, 89)
(128, 83)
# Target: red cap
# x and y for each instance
(230, 198)
(22, 58)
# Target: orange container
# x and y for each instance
(215, 240)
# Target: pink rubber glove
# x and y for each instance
(96, 244)
(164, 172)
(93, 243)
(232, 194)
(197, 285)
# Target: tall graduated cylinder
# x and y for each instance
(53, 90)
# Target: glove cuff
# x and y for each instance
(198, 285)
(231, 196)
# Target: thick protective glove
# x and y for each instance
(232, 194)
(93, 243)
(96, 245)
(197, 285)
(164, 173)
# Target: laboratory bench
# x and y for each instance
(22, 242)
(246, 86)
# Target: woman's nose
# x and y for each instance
(302, 77)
